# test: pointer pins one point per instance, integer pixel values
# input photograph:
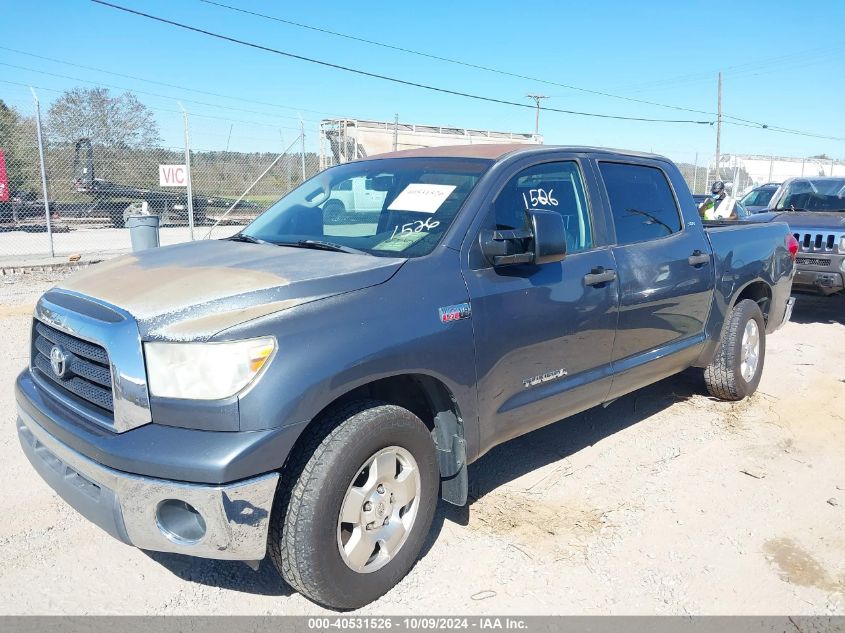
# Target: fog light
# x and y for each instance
(180, 521)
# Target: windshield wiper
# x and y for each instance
(319, 245)
(242, 237)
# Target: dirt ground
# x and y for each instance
(665, 502)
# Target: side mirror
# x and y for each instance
(549, 236)
(544, 243)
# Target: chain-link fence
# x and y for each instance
(92, 189)
(742, 172)
(80, 200)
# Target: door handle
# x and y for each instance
(698, 258)
(599, 276)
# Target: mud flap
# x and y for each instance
(452, 458)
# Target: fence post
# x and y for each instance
(695, 174)
(771, 166)
(43, 171)
(302, 140)
(396, 132)
(188, 182)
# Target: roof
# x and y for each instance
(497, 151)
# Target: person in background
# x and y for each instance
(720, 206)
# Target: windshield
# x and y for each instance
(810, 194)
(391, 207)
(759, 197)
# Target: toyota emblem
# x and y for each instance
(58, 361)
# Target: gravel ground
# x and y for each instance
(665, 502)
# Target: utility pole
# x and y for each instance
(536, 99)
(719, 127)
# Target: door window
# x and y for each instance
(554, 187)
(641, 202)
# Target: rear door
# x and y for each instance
(665, 274)
(543, 334)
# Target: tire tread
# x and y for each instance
(720, 375)
(304, 474)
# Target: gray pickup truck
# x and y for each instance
(307, 389)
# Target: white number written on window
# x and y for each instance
(539, 198)
(417, 226)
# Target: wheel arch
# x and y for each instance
(433, 402)
(758, 291)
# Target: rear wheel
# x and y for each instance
(353, 511)
(735, 371)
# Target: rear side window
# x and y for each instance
(641, 201)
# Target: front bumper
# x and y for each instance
(825, 282)
(235, 516)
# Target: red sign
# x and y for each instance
(4, 180)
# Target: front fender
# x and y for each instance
(330, 347)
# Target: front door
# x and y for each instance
(543, 334)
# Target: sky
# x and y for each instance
(783, 65)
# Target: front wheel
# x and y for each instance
(735, 371)
(352, 513)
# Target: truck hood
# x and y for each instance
(810, 219)
(195, 290)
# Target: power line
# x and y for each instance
(738, 69)
(785, 130)
(396, 80)
(169, 111)
(747, 69)
(153, 94)
(162, 83)
(451, 60)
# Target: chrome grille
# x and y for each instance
(812, 261)
(816, 242)
(87, 373)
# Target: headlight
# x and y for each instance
(205, 371)
(842, 244)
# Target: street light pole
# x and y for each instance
(537, 98)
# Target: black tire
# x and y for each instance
(303, 539)
(723, 375)
(333, 212)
